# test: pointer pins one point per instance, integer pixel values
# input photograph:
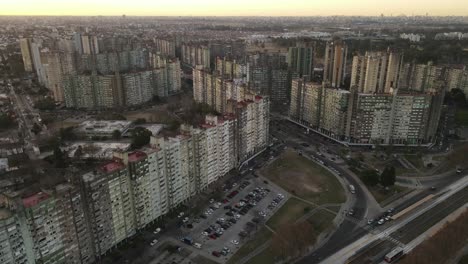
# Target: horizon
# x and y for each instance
(242, 8)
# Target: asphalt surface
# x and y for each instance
(375, 252)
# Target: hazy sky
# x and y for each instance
(233, 7)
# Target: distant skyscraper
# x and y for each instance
(335, 63)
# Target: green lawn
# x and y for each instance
(304, 178)
(461, 117)
(262, 236)
(291, 211)
(321, 221)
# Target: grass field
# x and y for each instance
(461, 117)
(320, 220)
(304, 178)
(262, 236)
(291, 211)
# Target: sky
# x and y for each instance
(233, 7)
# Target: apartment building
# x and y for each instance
(301, 61)
(420, 77)
(26, 53)
(306, 102)
(399, 117)
(334, 71)
(457, 78)
(376, 72)
(109, 200)
(165, 47)
(252, 117)
(57, 65)
(194, 55)
(12, 246)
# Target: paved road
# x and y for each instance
(442, 204)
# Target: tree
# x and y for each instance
(370, 177)
(6, 121)
(116, 134)
(45, 104)
(388, 177)
(67, 133)
(140, 121)
(59, 157)
(140, 137)
(36, 129)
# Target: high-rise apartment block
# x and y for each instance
(101, 73)
(334, 70)
(352, 117)
(301, 61)
(194, 55)
(457, 78)
(165, 47)
(376, 72)
(26, 53)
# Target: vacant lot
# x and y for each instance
(320, 221)
(291, 211)
(304, 178)
(262, 236)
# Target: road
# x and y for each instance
(407, 227)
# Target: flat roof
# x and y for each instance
(34, 199)
(99, 150)
(103, 127)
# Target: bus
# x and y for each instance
(394, 255)
(352, 189)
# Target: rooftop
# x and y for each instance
(103, 127)
(97, 150)
(112, 166)
(35, 199)
(136, 156)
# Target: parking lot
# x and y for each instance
(221, 229)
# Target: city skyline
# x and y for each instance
(241, 8)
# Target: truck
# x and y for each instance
(352, 189)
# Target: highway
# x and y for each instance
(406, 228)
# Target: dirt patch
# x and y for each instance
(304, 178)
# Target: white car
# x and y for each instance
(381, 221)
(157, 231)
(205, 233)
(180, 215)
(154, 242)
(186, 219)
(211, 201)
(235, 242)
